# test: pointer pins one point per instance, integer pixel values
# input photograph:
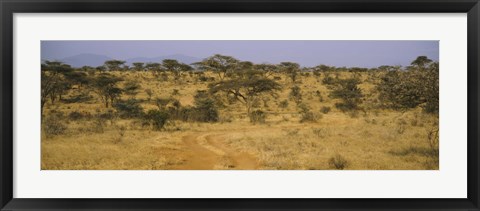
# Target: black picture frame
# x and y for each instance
(9, 7)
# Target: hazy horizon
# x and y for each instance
(305, 52)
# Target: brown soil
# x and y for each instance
(207, 151)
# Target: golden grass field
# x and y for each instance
(370, 139)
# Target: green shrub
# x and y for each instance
(129, 109)
(156, 118)
(75, 115)
(328, 80)
(205, 107)
(348, 91)
(205, 111)
(417, 86)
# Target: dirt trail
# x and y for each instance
(208, 152)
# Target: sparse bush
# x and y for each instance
(129, 109)
(328, 80)
(53, 124)
(418, 86)
(108, 115)
(80, 98)
(75, 115)
(283, 104)
(156, 118)
(307, 115)
(296, 94)
(258, 116)
(131, 88)
(203, 78)
(325, 109)
(205, 110)
(338, 162)
(347, 90)
(162, 103)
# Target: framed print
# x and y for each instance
(253, 105)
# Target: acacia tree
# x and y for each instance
(323, 68)
(421, 62)
(77, 78)
(106, 86)
(53, 82)
(389, 68)
(113, 65)
(154, 67)
(131, 88)
(100, 68)
(48, 82)
(267, 69)
(177, 68)
(291, 69)
(138, 66)
(56, 67)
(246, 89)
(219, 64)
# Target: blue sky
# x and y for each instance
(305, 52)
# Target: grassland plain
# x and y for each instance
(369, 138)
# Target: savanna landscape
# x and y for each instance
(223, 113)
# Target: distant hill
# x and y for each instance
(81, 60)
(179, 57)
(95, 60)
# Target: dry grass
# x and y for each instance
(373, 139)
